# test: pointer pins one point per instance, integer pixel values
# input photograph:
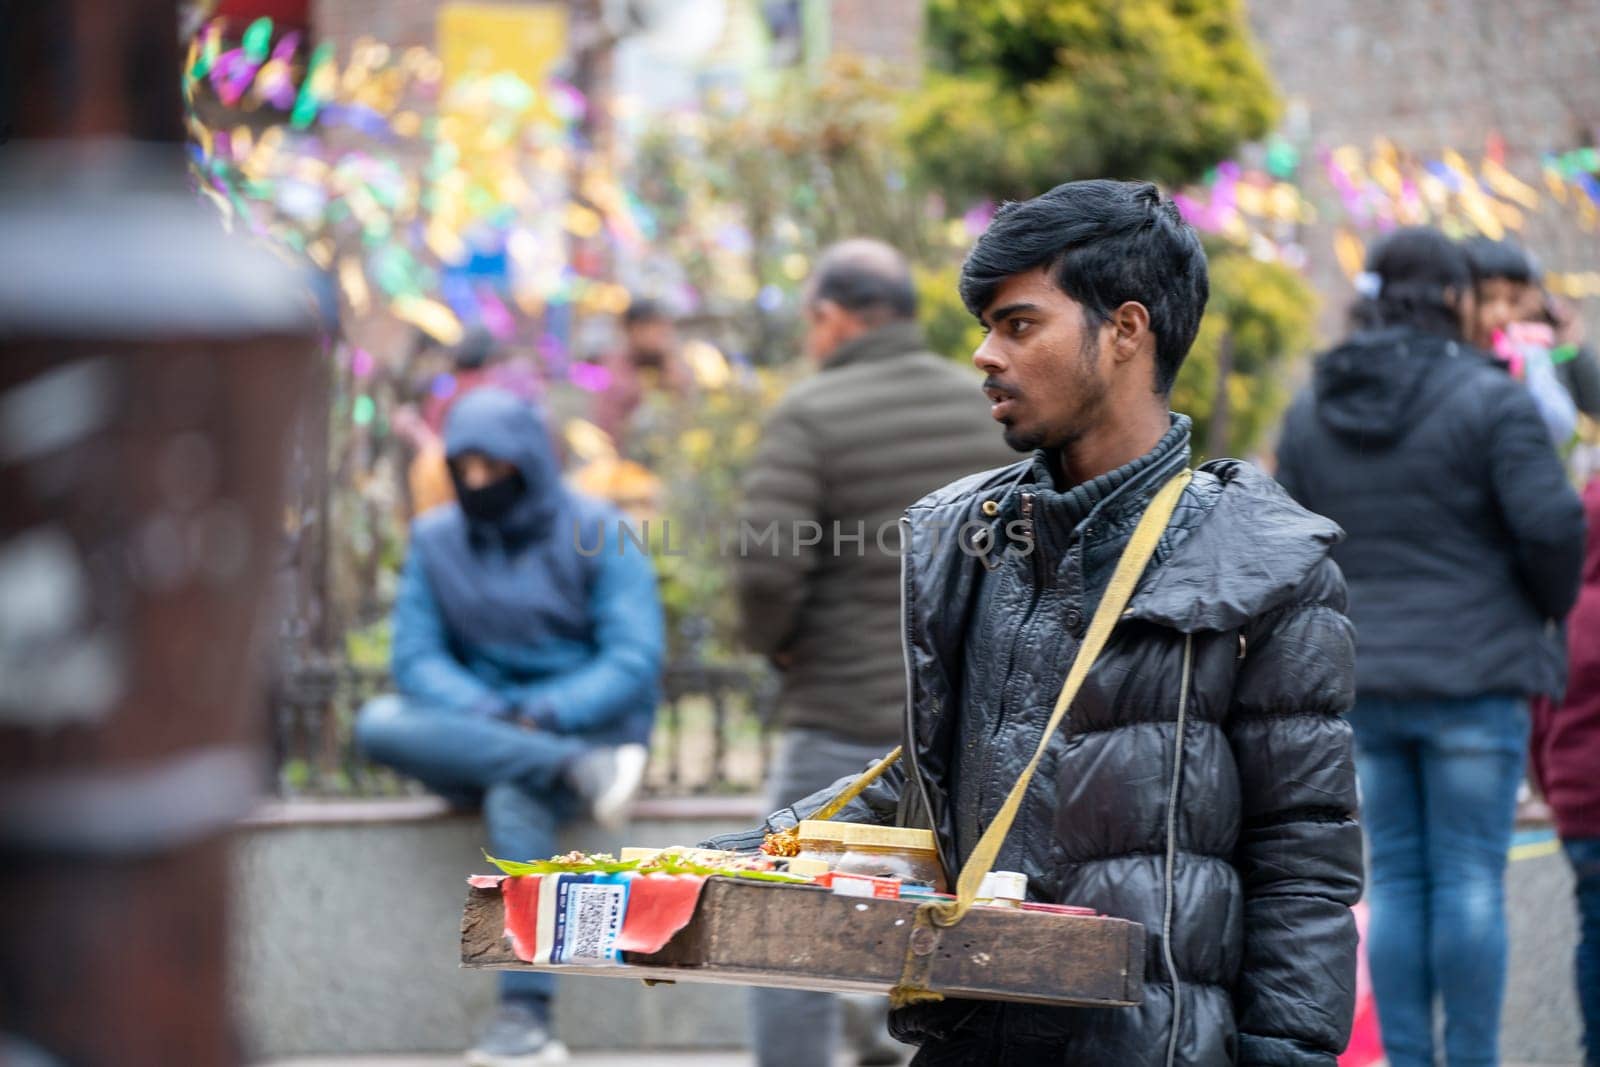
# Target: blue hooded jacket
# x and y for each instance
(523, 617)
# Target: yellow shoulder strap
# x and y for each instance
(923, 939)
(855, 788)
(1141, 546)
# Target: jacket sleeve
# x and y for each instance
(1299, 849)
(1581, 376)
(878, 805)
(628, 644)
(1539, 508)
(425, 668)
(783, 493)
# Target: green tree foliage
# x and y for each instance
(812, 159)
(822, 152)
(1260, 319)
(950, 328)
(700, 453)
(1030, 93)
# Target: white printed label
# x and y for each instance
(593, 916)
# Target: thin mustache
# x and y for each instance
(1001, 387)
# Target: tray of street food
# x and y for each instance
(834, 907)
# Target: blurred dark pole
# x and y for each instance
(151, 370)
(593, 45)
(1222, 402)
(84, 69)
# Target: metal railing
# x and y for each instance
(710, 738)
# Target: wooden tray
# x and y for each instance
(804, 937)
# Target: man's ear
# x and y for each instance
(842, 324)
(1130, 327)
(824, 332)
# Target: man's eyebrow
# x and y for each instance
(1000, 314)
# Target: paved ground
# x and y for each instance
(587, 1059)
(1540, 1022)
(591, 1059)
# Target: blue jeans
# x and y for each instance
(1438, 800)
(516, 772)
(1584, 855)
(797, 1027)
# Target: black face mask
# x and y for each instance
(493, 502)
(649, 358)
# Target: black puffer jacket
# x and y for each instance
(1202, 784)
(1465, 540)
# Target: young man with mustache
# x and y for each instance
(1201, 782)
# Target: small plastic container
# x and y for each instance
(880, 851)
(850, 884)
(1003, 889)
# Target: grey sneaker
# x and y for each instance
(516, 1036)
(608, 778)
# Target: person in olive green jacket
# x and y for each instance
(882, 423)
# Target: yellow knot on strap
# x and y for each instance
(921, 949)
(902, 997)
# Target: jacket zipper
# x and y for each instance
(1172, 850)
(1011, 661)
(913, 772)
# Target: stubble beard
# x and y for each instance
(1084, 415)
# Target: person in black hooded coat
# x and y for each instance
(1202, 783)
(1464, 552)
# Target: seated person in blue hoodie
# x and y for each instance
(527, 664)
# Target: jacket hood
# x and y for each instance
(1242, 551)
(506, 427)
(1237, 547)
(1374, 386)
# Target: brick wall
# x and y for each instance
(398, 23)
(1432, 74)
(889, 29)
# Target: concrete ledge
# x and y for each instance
(747, 810)
(347, 916)
(291, 813)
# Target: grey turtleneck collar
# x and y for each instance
(1063, 509)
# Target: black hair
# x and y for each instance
(642, 310)
(474, 350)
(1409, 278)
(1490, 259)
(1105, 243)
(868, 279)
